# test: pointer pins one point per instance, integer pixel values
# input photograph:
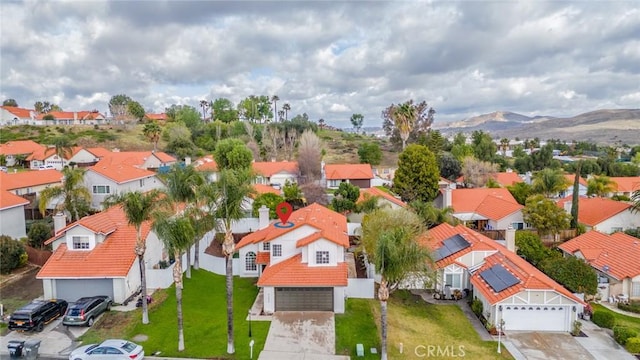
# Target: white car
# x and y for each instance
(116, 349)
(46, 167)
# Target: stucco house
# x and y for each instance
(359, 175)
(95, 256)
(148, 160)
(93, 117)
(12, 115)
(582, 187)
(616, 259)
(602, 214)
(20, 148)
(510, 288)
(29, 184)
(104, 179)
(13, 223)
(301, 263)
(625, 186)
(275, 173)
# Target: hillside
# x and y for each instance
(601, 126)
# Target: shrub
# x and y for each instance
(476, 307)
(621, 334)
(603, 319)
(577, 326)
(12, 254)
(632, 307)
(633, 345)
(39, 232)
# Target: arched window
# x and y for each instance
(250, 261)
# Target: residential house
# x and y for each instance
(208, 165)
(93, 117)
(510, 288)
(603, 214)
(78, 156)
(95, 256)
(384, 172)
(359, 175)
(385, 199)
(616, 259)
(29, 185)
(275, 173)
(104, 179)
(20, 149)
(148, 160)
(12, 115)
(161, 118)
(301, 263)
(625, 186)
(483, 208)
(12, 214)
(582, 187)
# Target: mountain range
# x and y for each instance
(609, 126)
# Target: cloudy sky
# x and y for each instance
(329, 59)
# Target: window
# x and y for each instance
(616, 229)
(266, 246)
(80, 242)
(250, 262)
(635, 289)
(322, 257)
(334, 183)
(454, 280)
(277, 250)
(141, 182)
(101, 189)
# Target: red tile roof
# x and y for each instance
(72, 115)
(99, 151)
(627, 184)
(373, 191)
(9, 200)
(263, 257)
(111, 258)
(162, 116)
(206, 163)
(134, 158)
(20, 147)
(18, 111)
(25, 179)
(492, 203)
(348, 171)
(47, 152)
(593, 211)
(506, 178)
(619, 252)
(292, 272)
(264, 189)
(436, 236)
(121, 173)
(270, 168)
(332, 226)
(571, 178)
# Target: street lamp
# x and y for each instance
(249, 322)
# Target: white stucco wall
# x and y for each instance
(269, 306)
(336, 252)
(506, 221)
(339, 297)
(288, 242)
(624, 220)
(83, 157)
(12, 222)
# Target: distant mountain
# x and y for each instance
(600, 126)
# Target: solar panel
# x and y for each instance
(499, 278)
(451, 246)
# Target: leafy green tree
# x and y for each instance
(138, 208)
(573, 273)
(370, 153)
(39, 232)
(135, 110)
(450, 167)
(232, 154)
(532, 249)
(542, 158)
(368, 204)
(520, 191)
(484, 148)
(178, 138)
(405, 122)
(152, 132)
(600, 186)
(76, 198)
(389, 238)
(345, 198)
(224, 110)
(549, 182)
(255, 108)
(417, 175)
(176, 233)
(10, 102)
(270, 200)
(356, 121)
(575, 197)
(293, 194)
(45, 107)
(434, 140)
(119, 106)
(523, 164)
(544, 215)
(190, 117)
(12, 253)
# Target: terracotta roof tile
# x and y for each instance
(507, 178)
(25, 179)
(436, 236)
(134, 158)
(593, 211)
(264, 189)
(206, 163)
(627, 184)
(373, 191)
(120, 173)
(270, 168)
(99, 151)
(292, 272)
(72, 115)
(19, 112)
(9, 200)
(161, 116)
(619, 252)
(492, 203)
(571, 178)
(20, 147)
(348, 171)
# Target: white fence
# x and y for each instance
(160, 278)
(360, 288)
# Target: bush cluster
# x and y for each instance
(12, 254)
(633, 345)
(631, 307)
(603, 319)
(622, 333)
(476, 307)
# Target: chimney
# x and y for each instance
(75, 117)
(567, 206)
(59, 222)
(447, 201)
(510, 238)
(187, 160)
(263, 221)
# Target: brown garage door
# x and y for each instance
(304, 299)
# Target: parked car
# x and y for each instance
(38, 313)
(4, 169)
(46, 167)
(86, 310)
(116, 349)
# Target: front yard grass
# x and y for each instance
(205, 325)
(621, 319)
(417, 325)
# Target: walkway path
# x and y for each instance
(614, 308)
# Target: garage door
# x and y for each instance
(304, 299)
(71, 290)
(536, 318)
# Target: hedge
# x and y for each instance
(603, 319)
(12, 254)
(621, 334)
(631, 307)
(633, 345)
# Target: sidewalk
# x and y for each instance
(614, 307)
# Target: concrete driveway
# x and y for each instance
(298, 335)
(55, 339)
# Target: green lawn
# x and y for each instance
(414, 328)
(205, 325)
(621, 320)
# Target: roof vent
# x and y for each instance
(605, 268)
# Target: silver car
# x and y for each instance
(86, 310)
(112, 349)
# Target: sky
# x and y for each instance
(329, 59)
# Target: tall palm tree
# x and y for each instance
(504, 144)
(176, 233)
(549, 182)
(75, 197)
(138, 208)
(600, 186)
(389, 238)
(431, 215)
(63, 148)
(636, 201)
(404, 117)
(226, 197)
(204, 104)
(286, 107)
(152, 132)
(274, 100)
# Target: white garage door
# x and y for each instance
(72, 290)
(536, 318)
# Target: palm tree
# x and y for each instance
(431, 215)
(321, 124)
(600, 186)
(504, 144)
(286, 107)
(226, 197)
(63, 148)
(389, 241)
(636, 201)
(274, 100)
(549, 182)
(176, 233)
(152, 132)
(204, 104)
(404, 117)
(138, 208)
(75, 197)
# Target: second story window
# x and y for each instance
(322, 257)
(80, 242)
(141, 182)
(266, 246)
(277, 250)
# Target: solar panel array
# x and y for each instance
(499, 278)
(451, 246)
